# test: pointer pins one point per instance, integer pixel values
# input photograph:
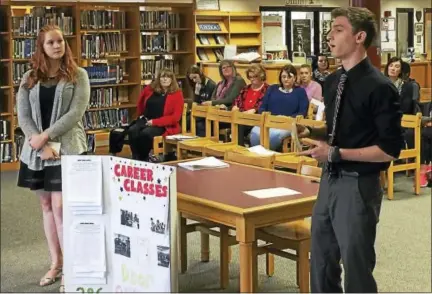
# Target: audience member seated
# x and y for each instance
(426, 146)
(283, 99)
(320, 67)
(201, 86)
(226, 90)
(313, 89)
(407, 88)
(250, 98)
(160, 107)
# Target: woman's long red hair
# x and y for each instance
(39, 61)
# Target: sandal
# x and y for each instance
(62, 286)
(51, 276)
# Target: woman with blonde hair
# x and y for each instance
(160, 108)
(51, 102)
(250, 98)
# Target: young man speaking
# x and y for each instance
(362, 136)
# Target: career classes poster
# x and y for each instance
(140, 226)
(302, 35)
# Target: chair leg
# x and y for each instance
(183, 245)
(303, 267)
(390, 183)
(269, 265)
(205, 247)
(179, 153)
(417, 178)
(383, 179)
(224, 257)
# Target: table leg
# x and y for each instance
(248, 267)
(183, 245)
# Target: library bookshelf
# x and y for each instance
(215, 29)
(130, 42)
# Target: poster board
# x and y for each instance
(301, 36)
(127, 240)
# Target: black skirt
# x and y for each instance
(49, 179)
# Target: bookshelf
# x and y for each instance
(215, 29)
(106, 40)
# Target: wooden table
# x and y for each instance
(217, 195)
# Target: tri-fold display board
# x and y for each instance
(119, 222)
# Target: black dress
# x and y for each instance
(48, 179)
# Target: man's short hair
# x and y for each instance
(361, 19)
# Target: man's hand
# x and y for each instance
(319, 152)
(49, 153)
(38, 141)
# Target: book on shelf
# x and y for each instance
(3, 21)
(6, 151)
(220, 40)
(103, 45)
(91, 143)
(23, 48)
(203, 40)
(30, 24)
(202, 55)
(106, 19)
(157, 19)
(105, 74)
(5, 128)
(153, 42)
(18, 71)
(151, 65)
(102, 119)
(108, 97)
(219, 54)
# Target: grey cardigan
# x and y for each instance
(232, 92)
(70, 103)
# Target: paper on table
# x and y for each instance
(88, 243)
(205, 163)
(181, 137)
(272, 192)
(261, 150)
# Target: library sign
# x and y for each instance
(303, 3)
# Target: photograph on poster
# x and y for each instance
(157, 227)
(122, 245)
(419, 28)
(130, 219)
(163, 253)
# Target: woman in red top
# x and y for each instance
(160, 108)
(250, 97)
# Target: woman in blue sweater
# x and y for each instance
(283, 99)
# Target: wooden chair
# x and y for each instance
(286, 160)
(162, 145)
(295, 235)
(239, 119)
(248, 158)
(413, 122)
(214, 116)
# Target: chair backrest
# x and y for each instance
(198, 111)
(425, 94)
(310, 170)
(184, 118)
(311, 109)
(311, 122)
(250, 159)
(215, 116)
(247, 119)
(280, 122)
(413, 122)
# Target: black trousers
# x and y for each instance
(243, 132)
(426, 145)
(141, 140)
(344, 222)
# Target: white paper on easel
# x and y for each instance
(272, 192)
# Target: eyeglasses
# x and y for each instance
(252, 77)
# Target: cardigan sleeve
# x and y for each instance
(78, 106)
(24, 110)
(175, 116)
(231, 93)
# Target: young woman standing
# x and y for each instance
(51, 102)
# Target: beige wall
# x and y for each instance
(253, 5)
